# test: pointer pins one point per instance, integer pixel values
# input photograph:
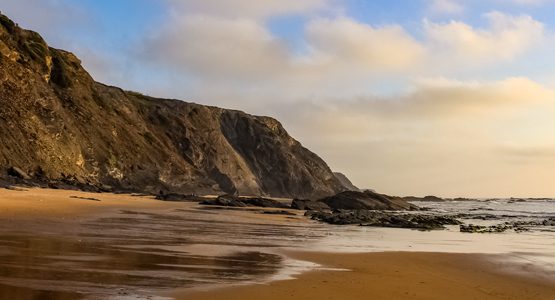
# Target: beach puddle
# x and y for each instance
(32, 265)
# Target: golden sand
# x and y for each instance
(393, 275)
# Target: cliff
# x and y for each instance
(58, 125)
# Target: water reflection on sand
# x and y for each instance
(141, 254)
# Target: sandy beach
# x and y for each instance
(104, 246)
(394, 275)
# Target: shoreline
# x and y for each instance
(392, 275)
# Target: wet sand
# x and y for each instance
(32, 203)
(394, 275)
(57, 244)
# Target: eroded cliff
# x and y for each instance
(58, 124)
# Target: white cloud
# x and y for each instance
(217, 47)
(245, 49)
(347, 41)
(504, 39)
(248, 8)
(440, 7)
(530, 2)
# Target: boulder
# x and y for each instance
(18, 173)
(367, 200)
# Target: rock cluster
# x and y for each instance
(383, 219)
(369, 208)
(234, 201)
(549, 222)
(178, 197)
(470, 228)
(517, 226)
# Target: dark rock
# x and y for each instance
(279, 212)
(106, 188)
(225, 200)
(18, 173)
(85, 198)
(309, 205)
(549, 222)
(60, 119)
(470, 228)
(263, 202)
(57, 185)
(235, 201)
(12, 187)
(424, 199)
(178, 197)
(367, 200)
(520, 229)
(463, 199)
(383, 219)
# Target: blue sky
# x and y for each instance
(113, 27)
(407, 97)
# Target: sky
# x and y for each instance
(412, 97)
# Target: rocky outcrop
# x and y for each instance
(367, 200)
(234, 201)
(517, 226)
(176, 197)
(424, 199)
(384, 219)
(57, 125)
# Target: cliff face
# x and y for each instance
(346, 182)
(58, 124)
